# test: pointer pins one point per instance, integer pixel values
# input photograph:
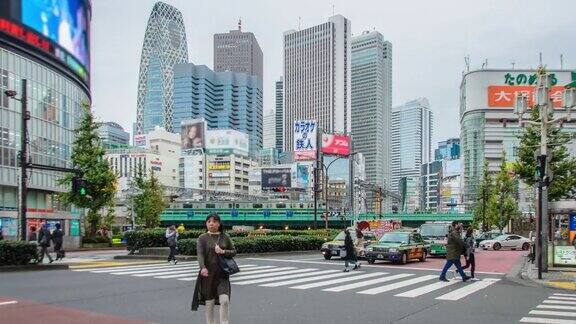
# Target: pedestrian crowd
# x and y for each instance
(455, 248)
(44, 238)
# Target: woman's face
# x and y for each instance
(192, 132)
(212, 225)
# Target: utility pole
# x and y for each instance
(24, 159)
(351, 160)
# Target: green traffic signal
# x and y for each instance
(82, 191)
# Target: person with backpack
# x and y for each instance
(172, 240)
(44, 241)
(58, 239)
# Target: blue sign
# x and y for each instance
(234, 213)
(266, 213)
(573, 221)
(289, 213)
(189, 214)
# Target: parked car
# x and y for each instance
(398, 246)
(487, 236)
(335, 247)
(436, 234)
(506, 241)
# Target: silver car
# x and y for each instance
(506, 241)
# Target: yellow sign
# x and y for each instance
(219, 166)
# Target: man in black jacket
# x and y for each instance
(58, 238)
(44, 241)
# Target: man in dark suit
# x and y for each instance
(44, 241)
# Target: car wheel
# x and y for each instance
(327, 256)
(371, 261)
(497, 246)
(423, 258)
(404, 258)
(525, 246)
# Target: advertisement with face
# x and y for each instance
(192, 134)
(276, 178)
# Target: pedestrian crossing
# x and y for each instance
(557, 309)
(402, 285)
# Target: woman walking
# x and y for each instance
(172, 240)
(213, 285)
(350, 256)
(470, 244)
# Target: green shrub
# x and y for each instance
(16, 252)
(187, 247)
(96, 239)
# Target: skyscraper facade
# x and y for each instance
(269, 130)
(280, 114)
(448, 150)
(411, 139)
(113, 135)
(238, 51)
(226, 100)
(317, 82)
(372, 104)
(164, 46)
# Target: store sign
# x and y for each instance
(219, 166)
(530, 79)
(219, 174)
(505, 96)
(276, 178)
(305, 134)
(74, 227)
(336, 144)
(565, 255)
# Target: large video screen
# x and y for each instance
(65, 22)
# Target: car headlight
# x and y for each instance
(393, 250)
(370, 249)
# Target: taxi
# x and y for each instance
(398, 246)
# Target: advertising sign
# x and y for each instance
(219, 166)
(275, 178)
(219, 174)
(227, 142)
(9, 226)
(380, 226)
(565, 255)
(505, 96)
(140, 140)
(336, 144)
(74, 227)
(305, 135)
(192, 134)
(302, 175)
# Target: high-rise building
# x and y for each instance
(317, 81)
(489, 127)
(372, 104)
(113, 135)
(448, 150)
(430, 179)
(280, 114)
(226, 100)
(238, 51)
(269, 132)
(409, 190)
(57, 75)
(411, 139)
(164, 46)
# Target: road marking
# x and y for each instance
(183, 275)
(379, 266)
(564, 307)
(553, 313)
(134, 267)
(397, 285)
(174, 268)
(562, 298)
(267, 275)
(299, 275)
(11, 302)
(165, 272)
(103, 264)
(565, 295)
(295, 281)
(367, 283)
(128, 269)
(560, 302)
(426, 289)
(255, 271)
(336, 281)
(266, 272)
(467, 290)
(546, 320)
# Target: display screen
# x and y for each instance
(65, 22)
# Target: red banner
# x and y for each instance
(336, 144)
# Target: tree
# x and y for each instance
(505, 192)
(562, 165)
(150, 202)
(88, 156)
(485, 211)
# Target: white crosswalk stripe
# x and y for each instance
(467, 290)
(557, 309)
(266, 275)
(379, 290)
(195, 272)
(426, 289)
(261, 271)
(298, 275)
(350, 277)
(140, 267)
(367, 283)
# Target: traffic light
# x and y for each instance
(79, 186)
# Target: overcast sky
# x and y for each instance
(430, 40)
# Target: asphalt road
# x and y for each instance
(308, 290)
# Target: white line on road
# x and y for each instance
(426, 289)
(368, 283)
(267, 275)
(559, 302)
(174, 268)
(566, 295)
(298, 275)
(350, 277)
(465, 291)
(552, 313)
(379, 266)
(261, 270)
(164, 266)
(564, 307)
(541, 320)
(140, 267)
(160, 273)
(562, 298)
(378, 290)
(195, 272)
(11, 302)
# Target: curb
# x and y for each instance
(33, 267)
(193, 257)
(518, 274)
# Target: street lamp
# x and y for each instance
(545, 105)
(326, 168)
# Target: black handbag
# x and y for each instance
(228, 265)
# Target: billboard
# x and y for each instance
(226, 141)
(275, 178)
(305, 135)
(505, 96)
(58, 29)
(192, 134)
(219, 174)
(336, 144)
(140, 140)
(219, 166)
(303, 175)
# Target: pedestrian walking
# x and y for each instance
(350, 256)
(470, 243)
(454, 249)
(58, 239)
(172, 240)
(1, 234)
(44, 238)
(213, 284)
(32, 236)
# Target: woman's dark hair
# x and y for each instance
(216, 217)
(57, 225)
(469, 231)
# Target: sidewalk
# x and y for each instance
(563, 278)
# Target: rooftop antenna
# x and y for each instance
(513, 63)
(332, 10)
(561, 61)
(467, 62)
(299, 19)
(540, 59)
(240, 24)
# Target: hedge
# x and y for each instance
(16, 252)
(260, 244)
(96, 239)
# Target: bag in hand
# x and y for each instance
(227, 264)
